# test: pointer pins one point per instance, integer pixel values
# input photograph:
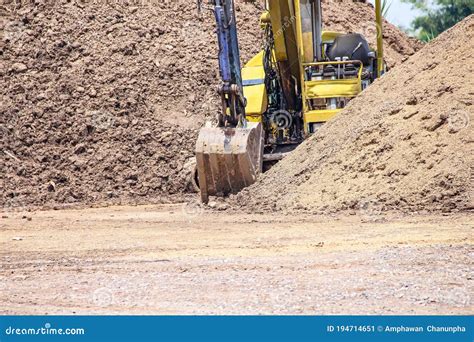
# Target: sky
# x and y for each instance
(400, 13)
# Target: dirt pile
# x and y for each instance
(101, 100)
(405, 144)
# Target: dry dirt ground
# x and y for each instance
(177, 259)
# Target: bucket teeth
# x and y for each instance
(228, 159)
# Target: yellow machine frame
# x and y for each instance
(324, 89)
(253, 73)
(304, 91)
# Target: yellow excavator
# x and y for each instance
(302, 78)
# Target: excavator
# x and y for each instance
(302, 78)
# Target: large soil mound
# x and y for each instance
(100, 101)
(406, 143)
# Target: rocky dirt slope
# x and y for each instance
(101, 101)
(406, 143)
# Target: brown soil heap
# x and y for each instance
(405, 144)
(100, 102)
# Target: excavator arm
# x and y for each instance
(229, 156)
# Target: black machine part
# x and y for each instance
(353, 46)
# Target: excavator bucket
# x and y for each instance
(228, 159)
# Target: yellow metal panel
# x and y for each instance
(290, 64)
(277, 27)
(256, 96)
(379, 24)
(253, 73)
(253, 118)
(320, 115)
(257, 60)
(332, 88)
(308, 46)
(299, 44)
(329, 36)
(265, 19)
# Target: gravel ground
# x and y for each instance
(180, 260)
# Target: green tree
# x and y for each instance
(438, 15)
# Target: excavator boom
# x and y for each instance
(229, 156)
